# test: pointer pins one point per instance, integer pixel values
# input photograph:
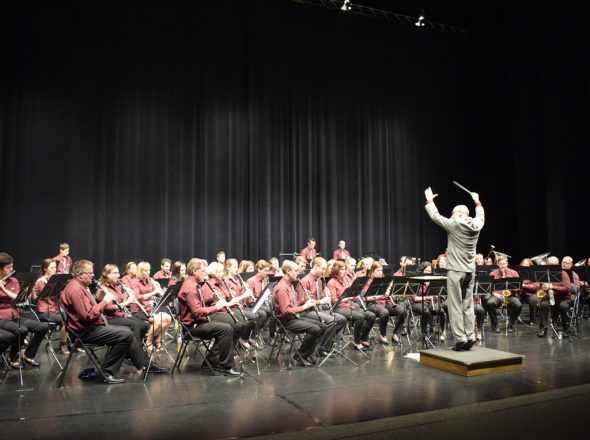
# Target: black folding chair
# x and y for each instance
(78, 342)
(187, 339)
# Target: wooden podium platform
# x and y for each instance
(475, 362)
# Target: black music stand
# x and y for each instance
(483, 270)
(436, 288)
(163, 282)
(169, 296)
(355, 289)
(423, 280)
(482, 286)
(399, 290)
(247, 275)
(548, 274)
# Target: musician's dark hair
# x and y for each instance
(5, 260)
(45, 264)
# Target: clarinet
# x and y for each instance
(130, 294)
(233, 296)
(217, 295)
(308, 295)
(123, 309)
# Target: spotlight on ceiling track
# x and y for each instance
(346, 5)
(420, 22)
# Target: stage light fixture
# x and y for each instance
(420, 22)
(346, 5)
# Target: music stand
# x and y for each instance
(399, 290)
(355, 289)
(482, 286)
(548, 274)
(163, 282)
(247, 275)
(423, 280)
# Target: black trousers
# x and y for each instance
(121, 343)
(491, 304)
(242, 328)
(221, 353)
(332, 326)
(313, 332)
(50, 317)
(427, 315)
(137, 326)
(560, 308)
(6, 340)
(363, 322)
(20, 328)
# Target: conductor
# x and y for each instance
(463, 232)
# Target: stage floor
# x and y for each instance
(194, 405)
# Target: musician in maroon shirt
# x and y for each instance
(145, 288)
(164, 271)
(309, 252)
(85, 317)
(130, 278)
(341, 253)
(12, 322)
(215, 290)
(195, 315)
(363, 320)
(257, 284)
(366, 264)
(47, 309)
(334, 322)
(178, 273)
(383, 308)
(493, 302)
(528, 292)
(63, 259)
(350, 274)
(561, 302)
(286, 309)
(426, 306)
(117, 312)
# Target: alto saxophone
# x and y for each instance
(505, 295)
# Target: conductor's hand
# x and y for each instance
(475, 197)
(108, 297)
(429, 196)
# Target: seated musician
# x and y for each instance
(85, 317)
(566, 264)
(334, 322)
(284, 299)
(341, 253)
(499, 298)
(145, 289)
(528, 292)
(426, 306)
(350, 270)
(257, 284)
(479, 260)
(164, 272)
(560, 292)
(195, 315)
(178, 273)
(47, 308)
(246, 266)
(365, 264)
(12, 321)
(275, 270)
(383, 307)
(309, 252)
(130, 274)
(117, 312)
(214, 290)
(363, 320)
(238, 289)
(302, 263)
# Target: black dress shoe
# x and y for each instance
(311, 360)
(511, 329)
(460, 346)
(467, 346)
(323, 353)
(303, 362)
(231, 372)
(404, 332)
(496, 328)
(542, 333)
(155, 368)
(110, 379)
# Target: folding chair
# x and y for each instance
(187, 339)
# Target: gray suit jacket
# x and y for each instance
(463, 234)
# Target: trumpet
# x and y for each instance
(218, 296)
(131, 295)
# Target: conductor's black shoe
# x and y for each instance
(110, 379)
(542, 333)
(301, 361)
(468, 345)
(155, 368)
(230, 372)
(460, 346)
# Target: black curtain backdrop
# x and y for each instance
(178, 129)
